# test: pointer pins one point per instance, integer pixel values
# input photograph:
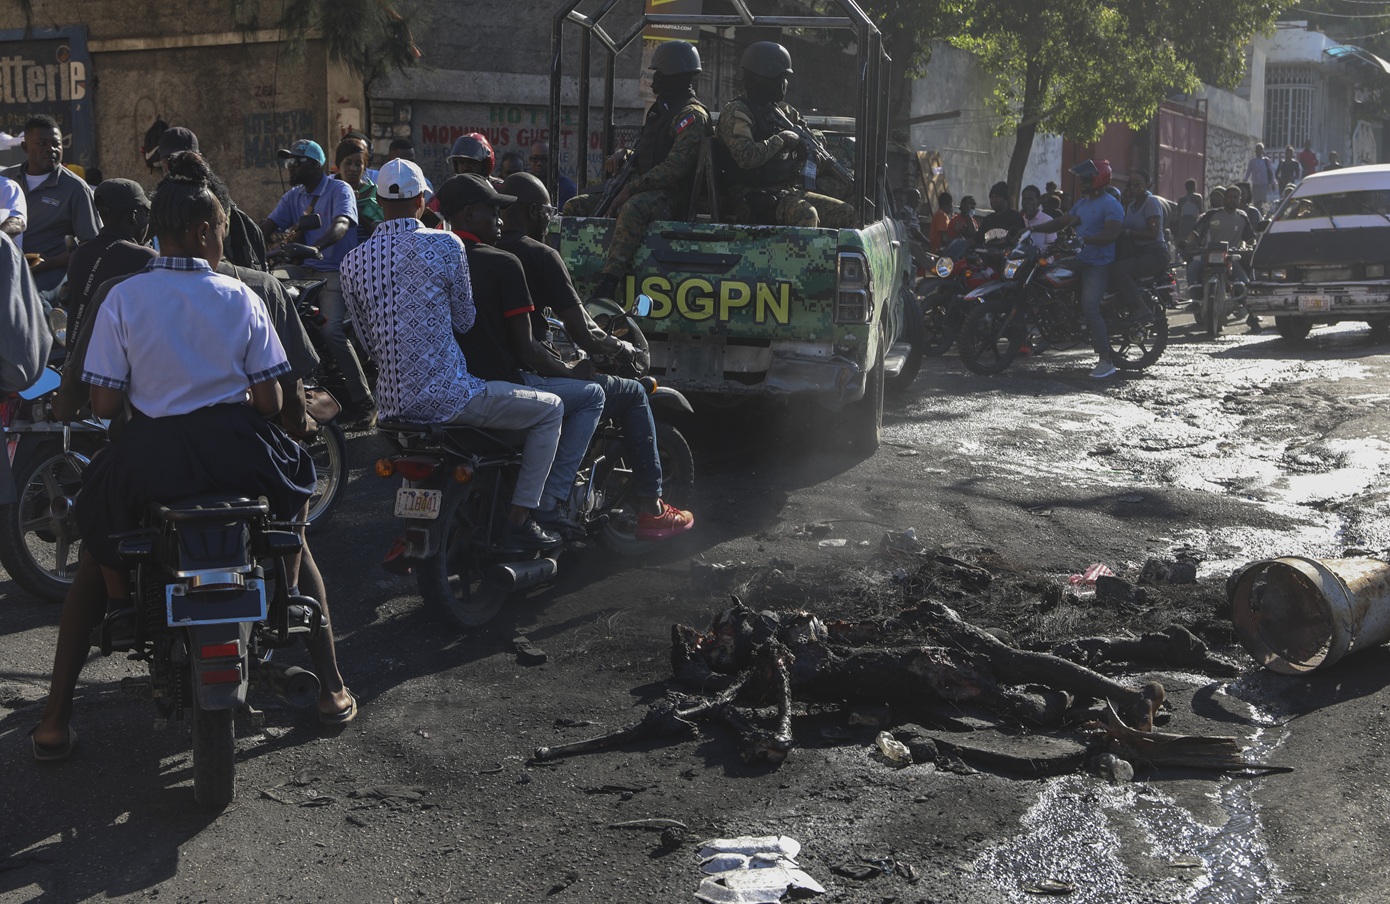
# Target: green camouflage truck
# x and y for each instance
(748, 311)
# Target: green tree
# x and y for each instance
(1069, 67)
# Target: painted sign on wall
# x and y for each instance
(48, 71)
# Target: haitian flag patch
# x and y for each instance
(684, 123)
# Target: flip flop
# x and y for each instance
(53, 753)
(343, 716)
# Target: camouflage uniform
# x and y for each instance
(662, 192)
(794, 206)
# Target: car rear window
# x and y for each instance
(1340, 204)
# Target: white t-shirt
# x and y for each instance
(1039, 239)
(35, 181)
(179, 337)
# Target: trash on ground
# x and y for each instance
(831, 544)
(1088, 577)
(752, 870)
(904, 541)
(1049, 887)
(892, 750)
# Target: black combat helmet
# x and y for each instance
(676, 58)
(768, 59)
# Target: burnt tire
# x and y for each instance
(1294, 329)
(454, 581)
(1136, 345)
(38, 550)
(214, 752)
(990, 337)
(619, 533)
(329, 451)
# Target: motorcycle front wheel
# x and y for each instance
(1136, 345)
(329, 451)
(619, 532)
(991, 336)
(454, 580)
(941, 317)
(39, 545)
(214, 750)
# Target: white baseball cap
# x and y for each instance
(399, 180)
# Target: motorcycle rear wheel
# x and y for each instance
(619, 533)
(214, 751)
(990, 338)
(454, 580)
(941, 320)
(38, 550)
(1134, 346)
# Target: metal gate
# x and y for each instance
(1182, 148)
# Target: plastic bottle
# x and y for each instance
(893, 750)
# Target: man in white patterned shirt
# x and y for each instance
(408, 290)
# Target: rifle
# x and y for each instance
(615, 186)
(812, 143)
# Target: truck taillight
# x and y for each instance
(853, 288)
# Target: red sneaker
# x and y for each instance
(670, 522)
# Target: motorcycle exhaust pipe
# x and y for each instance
(511, 576)
(298, 687)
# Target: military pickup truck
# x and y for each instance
(746, 310)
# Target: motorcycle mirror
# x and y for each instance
(308, 223)
(46, 383)
(642, 306)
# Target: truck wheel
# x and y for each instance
(214, 751)
(864, 419)
(454, 580)
(1380, 329)
(39, 550)
(1294, 329)
(990, 338)
(914, 334)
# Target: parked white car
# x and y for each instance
(1325, 255)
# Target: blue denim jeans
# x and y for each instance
(1094, 280)
(628, 404)
(583, 402)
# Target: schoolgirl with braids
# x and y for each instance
(194, 357)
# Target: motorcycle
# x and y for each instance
(206, 627)
(941, 295)
(328, 446)
(457, 486)
(1039, 294)
(1221, 300)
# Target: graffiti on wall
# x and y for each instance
(265, 133)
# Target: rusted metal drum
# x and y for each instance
(1296, 615)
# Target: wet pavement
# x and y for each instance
(1234, 450)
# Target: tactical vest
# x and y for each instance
(657, 137)
(780, 171)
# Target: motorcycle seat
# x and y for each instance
(471, 439)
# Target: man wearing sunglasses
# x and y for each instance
(524, 224)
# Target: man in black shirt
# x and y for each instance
(502, 346)
(524, 223)
(119, 249)
(1003, 216)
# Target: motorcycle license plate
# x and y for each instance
(1216, 257)
(215, 607)
(1314, 303)
(412, 503)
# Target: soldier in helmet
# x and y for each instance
(761, 159)
(668, 149)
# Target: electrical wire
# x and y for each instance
(1313, 12)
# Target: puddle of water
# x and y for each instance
(1067, 835)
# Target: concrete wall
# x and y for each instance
(973, 156)
(239, 89)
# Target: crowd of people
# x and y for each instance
(183, 339)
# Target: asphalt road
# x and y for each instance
(1240, 449)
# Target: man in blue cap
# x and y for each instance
(336, 206)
